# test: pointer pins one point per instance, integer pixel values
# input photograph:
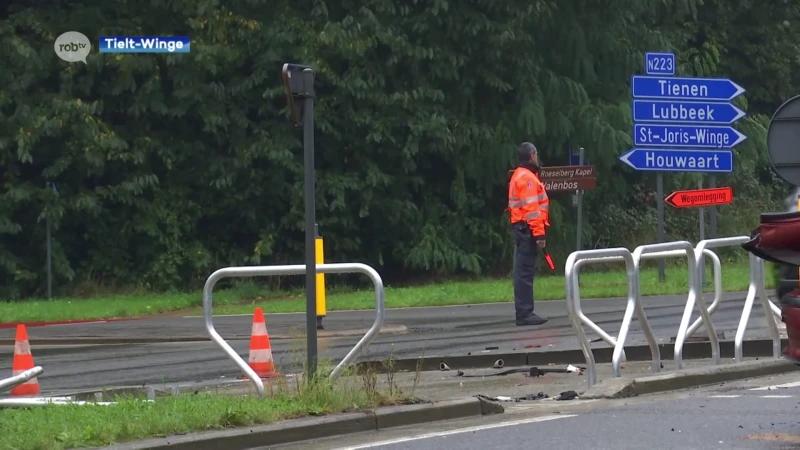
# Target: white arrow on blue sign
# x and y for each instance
(665, 111)
(699, 136)
(676, 88)
(668, 160)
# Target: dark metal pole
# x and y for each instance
(310, 210)
(49, 255)
(660, 219)
(701, 218)
(713, 210)
(579, 198)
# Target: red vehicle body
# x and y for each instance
(789, 295)
(777, 239)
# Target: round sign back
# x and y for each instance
(783, 141)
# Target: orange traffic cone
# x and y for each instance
(260, 349)
(23, 360)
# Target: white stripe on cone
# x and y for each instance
(259, 329)
(22, 348)
(260, 356)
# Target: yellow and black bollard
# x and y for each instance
(320, 259)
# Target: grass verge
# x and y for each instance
(59, 427)
(247, 295)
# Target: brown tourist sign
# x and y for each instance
(568, 178)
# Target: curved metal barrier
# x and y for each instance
(645, 252)
(660, 251)
(718, 290)
(16, 380)
(696, 259)
(298, 269)
(758, 289)
(683, 329)
(571, 271)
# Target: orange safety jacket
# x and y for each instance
(528, 201)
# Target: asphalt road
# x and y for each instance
(429, 331)
(753, 414)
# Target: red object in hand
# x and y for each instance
(550, 262)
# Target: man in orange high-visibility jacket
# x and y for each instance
(529, 207)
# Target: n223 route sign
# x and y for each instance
(682, 124)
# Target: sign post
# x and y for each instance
(579, 198)
(660, 64)
(701, 219)
(48, 225)
(681, 124)
(712, 182)
(299, 83)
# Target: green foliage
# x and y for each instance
(168, 167)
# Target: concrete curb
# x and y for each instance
(691, 350)
(687, 378)
(319, 427)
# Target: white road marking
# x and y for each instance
(777, 386)
(760, 396)
(457, 431)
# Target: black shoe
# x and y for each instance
(533, 319)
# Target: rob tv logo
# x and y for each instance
(73, 47)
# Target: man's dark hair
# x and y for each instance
(526, 149)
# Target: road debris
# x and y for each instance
(566, 395)
(528, 371)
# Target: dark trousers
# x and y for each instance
(525, 253)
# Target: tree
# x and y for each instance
(171, 166)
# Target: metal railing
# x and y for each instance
(16, 380)
(696, 267)
(683, 329)
(718, 290)
(256, 271)
(758, 289)
(661, 251)
(571, 271)
(645, 252)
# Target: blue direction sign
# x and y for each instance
(697, 136)
(665, 160)
(676, 88)
(659, 63)
(661, 111)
